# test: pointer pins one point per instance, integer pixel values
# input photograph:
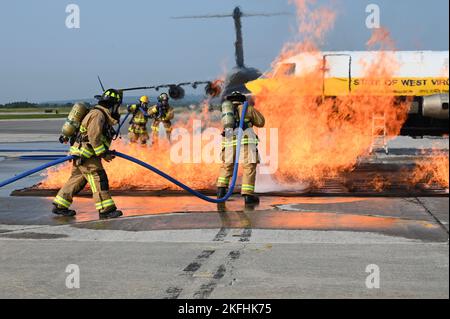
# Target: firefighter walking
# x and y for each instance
(163, 113)
(249, 158)
(137, 132)
(90, 144)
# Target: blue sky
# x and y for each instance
(136, 43)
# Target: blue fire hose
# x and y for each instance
(121, 124)
(40, 157)
(155, 170)
(37, 169)
(31, 151)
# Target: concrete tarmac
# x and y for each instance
(181, 247)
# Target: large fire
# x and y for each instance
(318, 137)
(125, 175)
(321, 137)
(433, 170)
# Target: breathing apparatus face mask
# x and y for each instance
(115, 112)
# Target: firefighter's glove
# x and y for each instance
(63, 139)
(108, 156)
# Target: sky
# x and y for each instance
(135, 42)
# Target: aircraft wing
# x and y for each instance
(213, 88)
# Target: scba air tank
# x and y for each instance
(228, 115)
(73, 122)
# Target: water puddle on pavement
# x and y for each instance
(186, 212)
(140, 206)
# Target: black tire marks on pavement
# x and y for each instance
(205, 290)
(189, 270)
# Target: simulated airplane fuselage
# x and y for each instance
(421, 75)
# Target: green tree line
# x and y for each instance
(25, 105)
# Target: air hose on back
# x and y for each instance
(154, 169)
(120, 126)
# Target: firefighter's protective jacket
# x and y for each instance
(249, 157)
(139, 122)
(252, 118)
(139, 117)
(165, 117)
(94, 137)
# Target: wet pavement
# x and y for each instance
(408, 218)
(182, 247)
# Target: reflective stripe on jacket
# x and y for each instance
(137, 129)
(92, 141)
(246, 140)
(139, 117)
(169, 115)
(252, 118)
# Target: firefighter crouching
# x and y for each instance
(90, 144)
(137, 132)
(163, 113)
(249, 157)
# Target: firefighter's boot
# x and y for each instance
(62, 211)
(112, 213)
(221, 192)
(251, 200)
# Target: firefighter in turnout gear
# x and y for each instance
(249, 157)
(91, 145)
(163, 113)
(137, 132)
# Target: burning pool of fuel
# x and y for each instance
(318, 137)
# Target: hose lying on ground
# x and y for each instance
(155, 170)
(31, 151)
(35, 170)
(40, 157)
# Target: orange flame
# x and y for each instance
(321, 137)
(379, 183)
(318, 137)
(433, 170)
(125, 175)
(215, 88)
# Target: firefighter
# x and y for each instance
(91, 146)
(137, 132)
(163, 113)
(249, 144)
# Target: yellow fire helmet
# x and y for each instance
(144, 99)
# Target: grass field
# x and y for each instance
(31, 116)
(38, 113)
(33, 113)
(33, 110)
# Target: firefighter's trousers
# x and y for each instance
(155, 128)
(249, 159)
(89, 171)
(138, 133)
